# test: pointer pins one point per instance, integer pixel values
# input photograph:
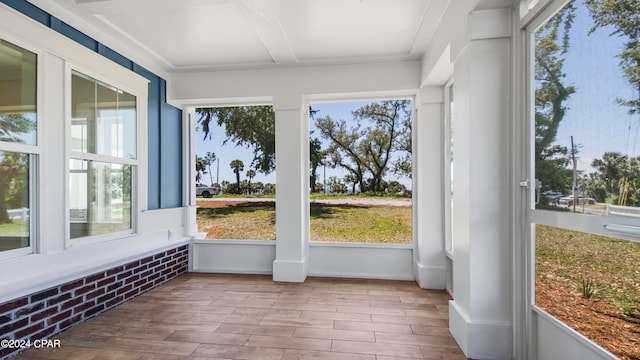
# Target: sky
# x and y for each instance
(227, 153)
(595, 120)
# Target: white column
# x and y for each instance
(292, 190)
(53, 233)
(480, 314)
(429, 255)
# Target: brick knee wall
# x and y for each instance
(43, 314)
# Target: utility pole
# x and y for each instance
(575, 179)
(324, 177)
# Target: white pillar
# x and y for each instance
(189, 128)
(52, 159)
(292, 190)
(480, 314)
(429, 255)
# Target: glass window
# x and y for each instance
(448, 150)
(101, 170)
(18, 127)
(14, 201)
(18, 82)
(99, 197)
(103, 119)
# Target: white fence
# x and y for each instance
(19, 214)
(626, 211)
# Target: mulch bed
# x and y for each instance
(594, 318)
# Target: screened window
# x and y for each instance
(586, 157)
(103, 157)
(18, 140)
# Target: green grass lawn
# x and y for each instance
(591, 283)
(17, 228)
(343, 223)
(390, 225)
(571, 257)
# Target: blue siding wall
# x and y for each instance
(165, 121)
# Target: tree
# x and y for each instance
(624, 17)
(201, 168)
(237, 166)
(611, 169)
(316, 157)
(250, 174)
(396, 187)
(13, 172)
(369, 145)
(349, 179)
(403, 166)
(248, 126)
(269, 188)
(13, 166)
(552, 42)
(258, 187)
(335, 185)
(226, 186)
(210, 158)
(14, 126)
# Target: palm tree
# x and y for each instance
(237, 166)
(209, 159)
(250, 174)
(201, 168)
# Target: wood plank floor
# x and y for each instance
(214, 316)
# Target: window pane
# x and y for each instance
(100, 197)
(360, 167)
(587, 150)
(590, 282)
(14, 200)
(236, 172)
(17, 94)
(587, 161)
(103, 119)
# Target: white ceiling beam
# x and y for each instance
(431, 18)
(266, 23)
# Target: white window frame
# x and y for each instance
(77, 155)
(348, 98)
(448, 184)
(533, 16)
(34, 154)
(448, 181)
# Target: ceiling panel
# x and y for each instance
(321, 29)
(216, 34)
(189, 33)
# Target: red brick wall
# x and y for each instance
(48, 312)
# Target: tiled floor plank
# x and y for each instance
(223, 316)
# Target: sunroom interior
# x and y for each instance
(112, 205)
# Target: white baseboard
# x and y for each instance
(290, 270)
(430, 277)
(480, 339)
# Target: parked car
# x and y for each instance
(582, 200)
(553, 196)
(206, 191)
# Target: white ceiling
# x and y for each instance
(186, 35)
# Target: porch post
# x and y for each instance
(292, 194)
(480, 314)
(429, 256)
